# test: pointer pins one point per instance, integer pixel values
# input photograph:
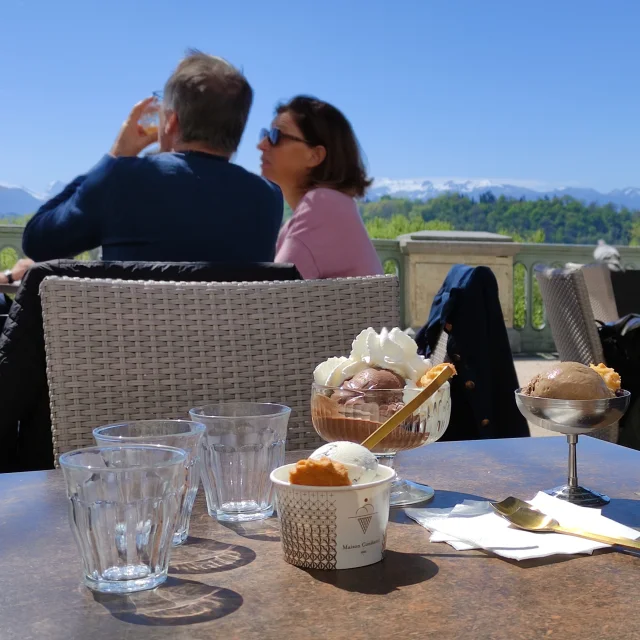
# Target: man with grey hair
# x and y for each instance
(186, 203)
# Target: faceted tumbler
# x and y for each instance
(243, 443)
(182, 434)
(123, 506)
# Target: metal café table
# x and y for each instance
(231, 581)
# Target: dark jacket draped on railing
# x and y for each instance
(468, 308)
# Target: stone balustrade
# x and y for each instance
(11, 245)
(422, 260)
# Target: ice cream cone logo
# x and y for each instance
(364, 516)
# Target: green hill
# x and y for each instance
(554, 220)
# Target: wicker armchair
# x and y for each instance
(597, 278)
(121, 350)
(570, 315)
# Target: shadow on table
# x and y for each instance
(534, 563)
(264, 530)
(395, 571)
(442, 500)
(177, 602)
(201, 555)
(624, 511)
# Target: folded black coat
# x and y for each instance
(483, 403)
(25, 420)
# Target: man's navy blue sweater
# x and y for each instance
(168, 207)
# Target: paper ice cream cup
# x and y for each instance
(333, 527)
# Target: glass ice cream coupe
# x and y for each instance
(352, 415)
(574, 418)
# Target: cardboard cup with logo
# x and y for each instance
(333, 527)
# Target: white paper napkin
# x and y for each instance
(474, 525)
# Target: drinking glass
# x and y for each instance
(150, 119)
(123, 506)
(243, 443)
(181, 434)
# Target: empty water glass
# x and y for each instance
(123, 506)
(243, 443)
(182, 434)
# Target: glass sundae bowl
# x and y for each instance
(352, 415)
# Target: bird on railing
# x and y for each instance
(608, 255)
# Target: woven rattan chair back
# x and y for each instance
(597, 278)
(573, 326)
(121, 350)
(440, 354)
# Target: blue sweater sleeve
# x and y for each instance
(69, 223)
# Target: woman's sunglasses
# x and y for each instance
(274, 136)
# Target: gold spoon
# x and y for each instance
(531, 520)
(509, 505)
(400, 416)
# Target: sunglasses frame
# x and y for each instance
(275, 136)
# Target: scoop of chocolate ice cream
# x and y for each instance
(387, 385)
(373, 378)
(568, 381)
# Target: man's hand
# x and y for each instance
(21, 267)
(133, 138)
(18, 270)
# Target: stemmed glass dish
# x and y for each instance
(353, 415)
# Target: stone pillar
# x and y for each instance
(11, 238)
(428, 256)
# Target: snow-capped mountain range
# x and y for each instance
(427, 188)
(19, 201)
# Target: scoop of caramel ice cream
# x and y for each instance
(568, 381)
(434, 372)
(611, 378)
(322, 472)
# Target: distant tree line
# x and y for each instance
(554, 220)
(15, 219)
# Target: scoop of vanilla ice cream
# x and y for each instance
(361, 464)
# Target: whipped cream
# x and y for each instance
(335, 371)
(393, 350)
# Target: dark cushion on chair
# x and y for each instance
(626, 291)
(25, 424)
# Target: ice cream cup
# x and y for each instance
(333, 527)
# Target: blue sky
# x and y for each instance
(544, 90)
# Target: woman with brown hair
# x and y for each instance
(312, 153)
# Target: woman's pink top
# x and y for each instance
(326, 238)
